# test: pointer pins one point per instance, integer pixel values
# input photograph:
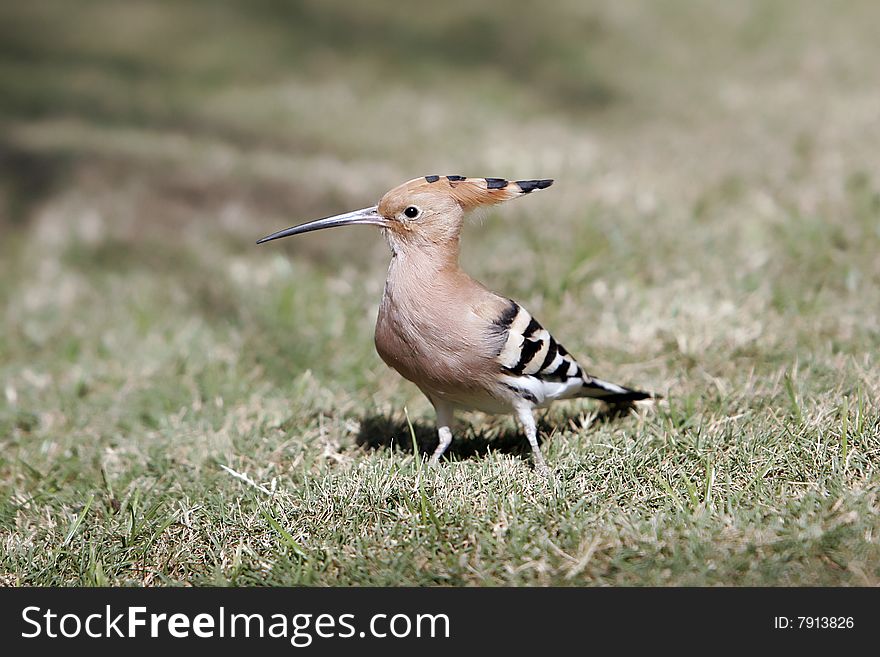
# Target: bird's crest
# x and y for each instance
(474, 192)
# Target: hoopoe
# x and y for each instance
(464, 346)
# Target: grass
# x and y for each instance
(179, 406)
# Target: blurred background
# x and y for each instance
(712, 233)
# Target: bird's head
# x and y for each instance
(424, 212)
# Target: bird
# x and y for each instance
(464, 346)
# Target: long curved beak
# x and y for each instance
(366, 216)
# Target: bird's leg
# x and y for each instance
(445, 416)
(527, 419)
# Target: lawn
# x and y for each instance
(181, 407)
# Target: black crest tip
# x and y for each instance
(528, 186)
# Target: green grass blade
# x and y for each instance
(285, 535)
(75, 525)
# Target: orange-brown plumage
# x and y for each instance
(447, 360)
(463, 345)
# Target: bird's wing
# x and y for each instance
(538, 368)
(530, 350)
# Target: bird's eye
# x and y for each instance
(412, 212)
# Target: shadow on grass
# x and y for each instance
(472, 440)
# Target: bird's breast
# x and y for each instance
(406, 341)
(435, 346)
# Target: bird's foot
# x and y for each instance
(541, 466)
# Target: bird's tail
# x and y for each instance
(612, 393)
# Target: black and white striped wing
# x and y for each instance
(530, 350)
(539, 369)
